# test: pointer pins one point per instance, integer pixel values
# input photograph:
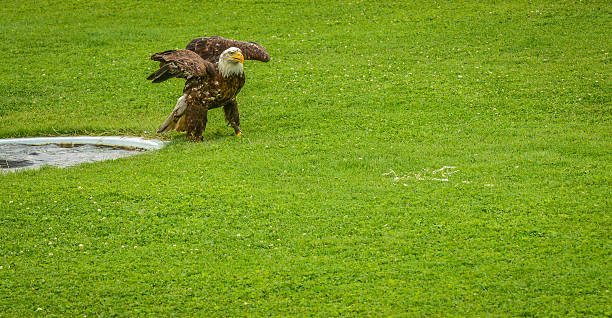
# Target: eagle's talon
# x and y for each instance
(239, 133)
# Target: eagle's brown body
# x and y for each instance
(214, 78)
(208, 93)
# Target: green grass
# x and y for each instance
(302, 216)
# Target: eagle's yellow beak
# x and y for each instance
(238, 57)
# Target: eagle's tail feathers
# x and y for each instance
(171, 122)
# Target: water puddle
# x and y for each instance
(32, 153)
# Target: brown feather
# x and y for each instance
(180, 63)
(162, 69)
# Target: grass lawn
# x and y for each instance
(398, 159)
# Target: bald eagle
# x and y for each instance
(214, 74)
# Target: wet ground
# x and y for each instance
(18, 156)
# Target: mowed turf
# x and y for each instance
(398, 159)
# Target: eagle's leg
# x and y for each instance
(232, 116)
(196, 122)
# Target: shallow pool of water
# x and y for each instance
(32, 153)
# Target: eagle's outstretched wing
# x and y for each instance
(209, 48)
(180, 63)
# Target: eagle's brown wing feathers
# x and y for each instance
(180, 63)
(209, 48)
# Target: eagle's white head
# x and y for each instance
(231, 61)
